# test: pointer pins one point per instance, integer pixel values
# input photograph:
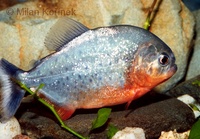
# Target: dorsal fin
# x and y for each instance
(62, 32)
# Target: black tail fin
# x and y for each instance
(10, 93)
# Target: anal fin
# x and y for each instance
(64, 112)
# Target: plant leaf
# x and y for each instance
(112, 130)
(102, 117)
(195, 131)
(197, 82)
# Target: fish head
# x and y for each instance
(154, 63)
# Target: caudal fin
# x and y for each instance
(10, 93)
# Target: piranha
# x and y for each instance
(89, 68)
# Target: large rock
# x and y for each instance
(24, 27)
(189, 87)
(194, 66)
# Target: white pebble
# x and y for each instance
(130, 133)
(9, 129)
(187, 99)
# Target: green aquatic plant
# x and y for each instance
(148, 19)
(194, 132)
(102, 117)
(112, 130)
(196, 82)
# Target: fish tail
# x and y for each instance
(10, 93)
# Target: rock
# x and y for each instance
(21, 137)
(10, 129)
(179, 31)
(174, 135)
(38, 127)
(188, 87)
(24, 26)
(191, 102)
(4, 3)
(194, 66)
(165, 115)
(130, 133)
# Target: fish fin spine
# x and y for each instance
(10, 93)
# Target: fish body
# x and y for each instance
(90, 68)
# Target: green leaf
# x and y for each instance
(197, 82)
(111, 131)
(195, 131)
(102, 117)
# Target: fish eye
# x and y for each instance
(163, 59)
